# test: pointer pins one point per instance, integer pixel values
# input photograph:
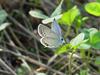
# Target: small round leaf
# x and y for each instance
(93, 8)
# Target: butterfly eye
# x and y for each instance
(62, 39)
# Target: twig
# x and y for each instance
(7, 35)
(25, 51)
(52, 59)
(78, 67)
(31, 60)
(15, 38)
(37, 50)
(4, 72)
(3, 63)
(22, 27)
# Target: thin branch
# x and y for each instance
(22, 27)
(31, 60)
(10, 40)
(3, 63)
(5, 72)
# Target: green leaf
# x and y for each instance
(84, 72)
(80, 21)
(62, 49)
(3, 26)
(84, 46)
(38, 14)
(55, 15)
(89, 32)
(69, 16)
(97, 61)
(58, 10)
(93, 8)
(48, 20)
(93, 35)
(95, 40)
(98, 1)
(77, 40)
(92, 32)
(3, 16)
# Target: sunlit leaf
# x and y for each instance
(62, 49)
(3, 16)
(69, 16)
(88, 31)
(93, 8)
(84, 46)
(58, 10)
(3, 26)
(77, 40)
(55, 15)
(92, 32)
(94, 37)
(48, 20)
(95, 40)
(38, 14)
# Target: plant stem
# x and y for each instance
(69, 4)
(68, 31)
(77, 30)
(70, 63)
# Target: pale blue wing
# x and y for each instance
(45, 31)
(49, 38)
(50, 42)
(56, 28)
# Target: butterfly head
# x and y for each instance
(62, 40)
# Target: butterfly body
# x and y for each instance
(51, 38)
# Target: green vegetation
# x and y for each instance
(69, 32)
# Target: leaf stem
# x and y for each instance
(70, 63)
(68, 31)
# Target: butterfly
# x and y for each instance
(51, 38)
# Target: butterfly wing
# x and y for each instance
(45, 31)
(49, 38)
(56, 28)
(50, 42)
